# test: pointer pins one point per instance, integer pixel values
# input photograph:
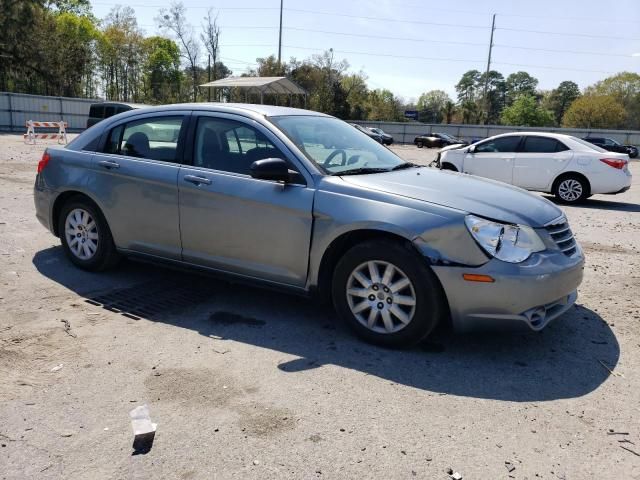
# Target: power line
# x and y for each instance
(583, 35)
(361, 17)
(577, 52)
(382, 37)
(548, 67)
(393, 55)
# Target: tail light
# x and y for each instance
(614, 162)
(45, 160)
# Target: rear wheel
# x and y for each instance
(448, 166)
(571, 189)
(85, 236)
(419, 144)
(387, 294)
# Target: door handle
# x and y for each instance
(108, 164)
(197, 180)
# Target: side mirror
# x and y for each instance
(471, 149)
(274, 169)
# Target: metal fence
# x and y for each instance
(405, 132)
(17, 108)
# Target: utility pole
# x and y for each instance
(209, 79)
(280, 36)
(486, 76)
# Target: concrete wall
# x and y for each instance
(406, 132)
(17, 108)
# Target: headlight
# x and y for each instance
(509, 243)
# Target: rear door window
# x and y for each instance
(153, 138)
(534, 144)
(499, 145)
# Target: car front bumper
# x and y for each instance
(525, 296)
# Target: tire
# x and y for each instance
(93, 249)
(394, 324)
(419, 144)
(448, 166)
(633, 153)
(571, 189)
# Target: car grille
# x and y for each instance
(563, 237)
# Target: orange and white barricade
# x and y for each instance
(31, 135)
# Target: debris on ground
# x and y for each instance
(67, 328)
(144, 430)
(613, 432)
(615, 374)
(629, 450)
(510, 466)
(56, 368)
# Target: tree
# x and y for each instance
(494, 103)
(211, 37)
(519, 83)
(431, 106)
(161, 70)
(76, 7)
(384, 106)
(467, 87)
(120, 53)
(525, 111)
(175, 20)
(357, 92)
(449, 111)
(560, 98)
(595, 111)
(469, 94)
(625, 88)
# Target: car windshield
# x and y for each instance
(335, 146)
(589, 145)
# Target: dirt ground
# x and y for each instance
(246, 383)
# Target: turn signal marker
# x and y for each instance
(474, 277)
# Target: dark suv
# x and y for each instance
(613, 145)
(100, 111)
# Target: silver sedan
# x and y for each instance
(302, 201)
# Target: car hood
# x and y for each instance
(453, 146)
(480, 196)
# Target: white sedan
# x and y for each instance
(566, 166)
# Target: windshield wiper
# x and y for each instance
(402, 166)
(360, 171)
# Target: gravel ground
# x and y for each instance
(246, 383)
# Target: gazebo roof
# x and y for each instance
(262, 84)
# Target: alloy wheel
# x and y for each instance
(381, 296)
(81, 234)
(570, 190)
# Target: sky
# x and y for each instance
(413, 46)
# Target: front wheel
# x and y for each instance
(387, 294)
(419, 144)
(571, 189)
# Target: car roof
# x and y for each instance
(263, 110)
(557, 136)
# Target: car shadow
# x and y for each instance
(598, 204)
(570, 358)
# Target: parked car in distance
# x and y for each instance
(613, 145)
(437, 140)
(570, 168)
(256, 194)
(377, 137)
(386, 138)
(100, 111)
